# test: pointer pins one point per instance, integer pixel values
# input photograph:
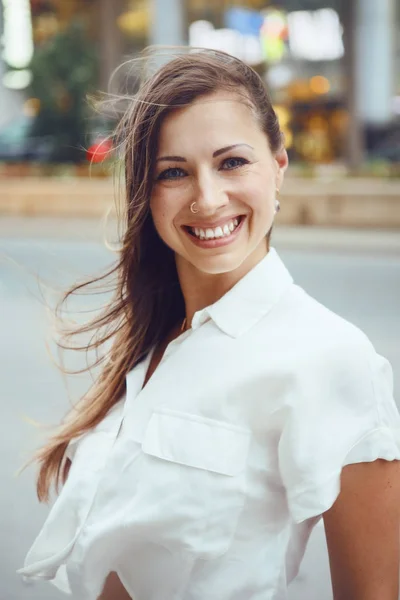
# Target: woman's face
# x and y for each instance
(214, 154)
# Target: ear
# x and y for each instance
(282, 162)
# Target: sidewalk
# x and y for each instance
(338, 240)
(291, 237)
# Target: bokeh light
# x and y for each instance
(320, 85)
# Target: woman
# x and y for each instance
(233, 410)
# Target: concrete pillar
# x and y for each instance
(111, 40)
(375, 59)
(168, 23)
(355, 142)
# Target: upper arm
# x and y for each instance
(113, 589)
(362, 532)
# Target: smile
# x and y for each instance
(211, 237)
(217, 232)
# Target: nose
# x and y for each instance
(210, 195)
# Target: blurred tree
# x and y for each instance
(64, 70)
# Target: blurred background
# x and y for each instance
(332, 67)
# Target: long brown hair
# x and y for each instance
(147, 301)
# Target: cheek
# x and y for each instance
(164, 208)
(168, 201)
(258, 193)
(158, 211)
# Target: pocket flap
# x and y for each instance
(197, 442)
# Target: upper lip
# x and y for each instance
(213, 224)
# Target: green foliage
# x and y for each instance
(65, 70)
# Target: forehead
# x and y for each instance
(209, 119)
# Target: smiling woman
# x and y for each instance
(232, 411)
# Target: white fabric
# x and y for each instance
(207, 482)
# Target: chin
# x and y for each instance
(217, 265)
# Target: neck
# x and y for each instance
(202, 289)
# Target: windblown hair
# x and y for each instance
(146, 301)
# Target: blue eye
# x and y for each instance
(172, 173)
(233, 163)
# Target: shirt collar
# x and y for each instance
(250, 299)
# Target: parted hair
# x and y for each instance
(146, 299)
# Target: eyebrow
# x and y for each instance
(215, 154)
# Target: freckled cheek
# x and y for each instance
(158, 213)
(165, 208)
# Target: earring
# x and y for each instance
(277, 203)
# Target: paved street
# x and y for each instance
(359, 279)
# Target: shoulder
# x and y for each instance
(324, 333)
(323, 355)
(334, 368)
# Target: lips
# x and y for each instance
(212, 237)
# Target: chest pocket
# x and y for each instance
(192, 482)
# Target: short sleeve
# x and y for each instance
(341, 412)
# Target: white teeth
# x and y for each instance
(218, 232)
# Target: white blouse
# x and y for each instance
(206, 483)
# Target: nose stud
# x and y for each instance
(193, 209)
